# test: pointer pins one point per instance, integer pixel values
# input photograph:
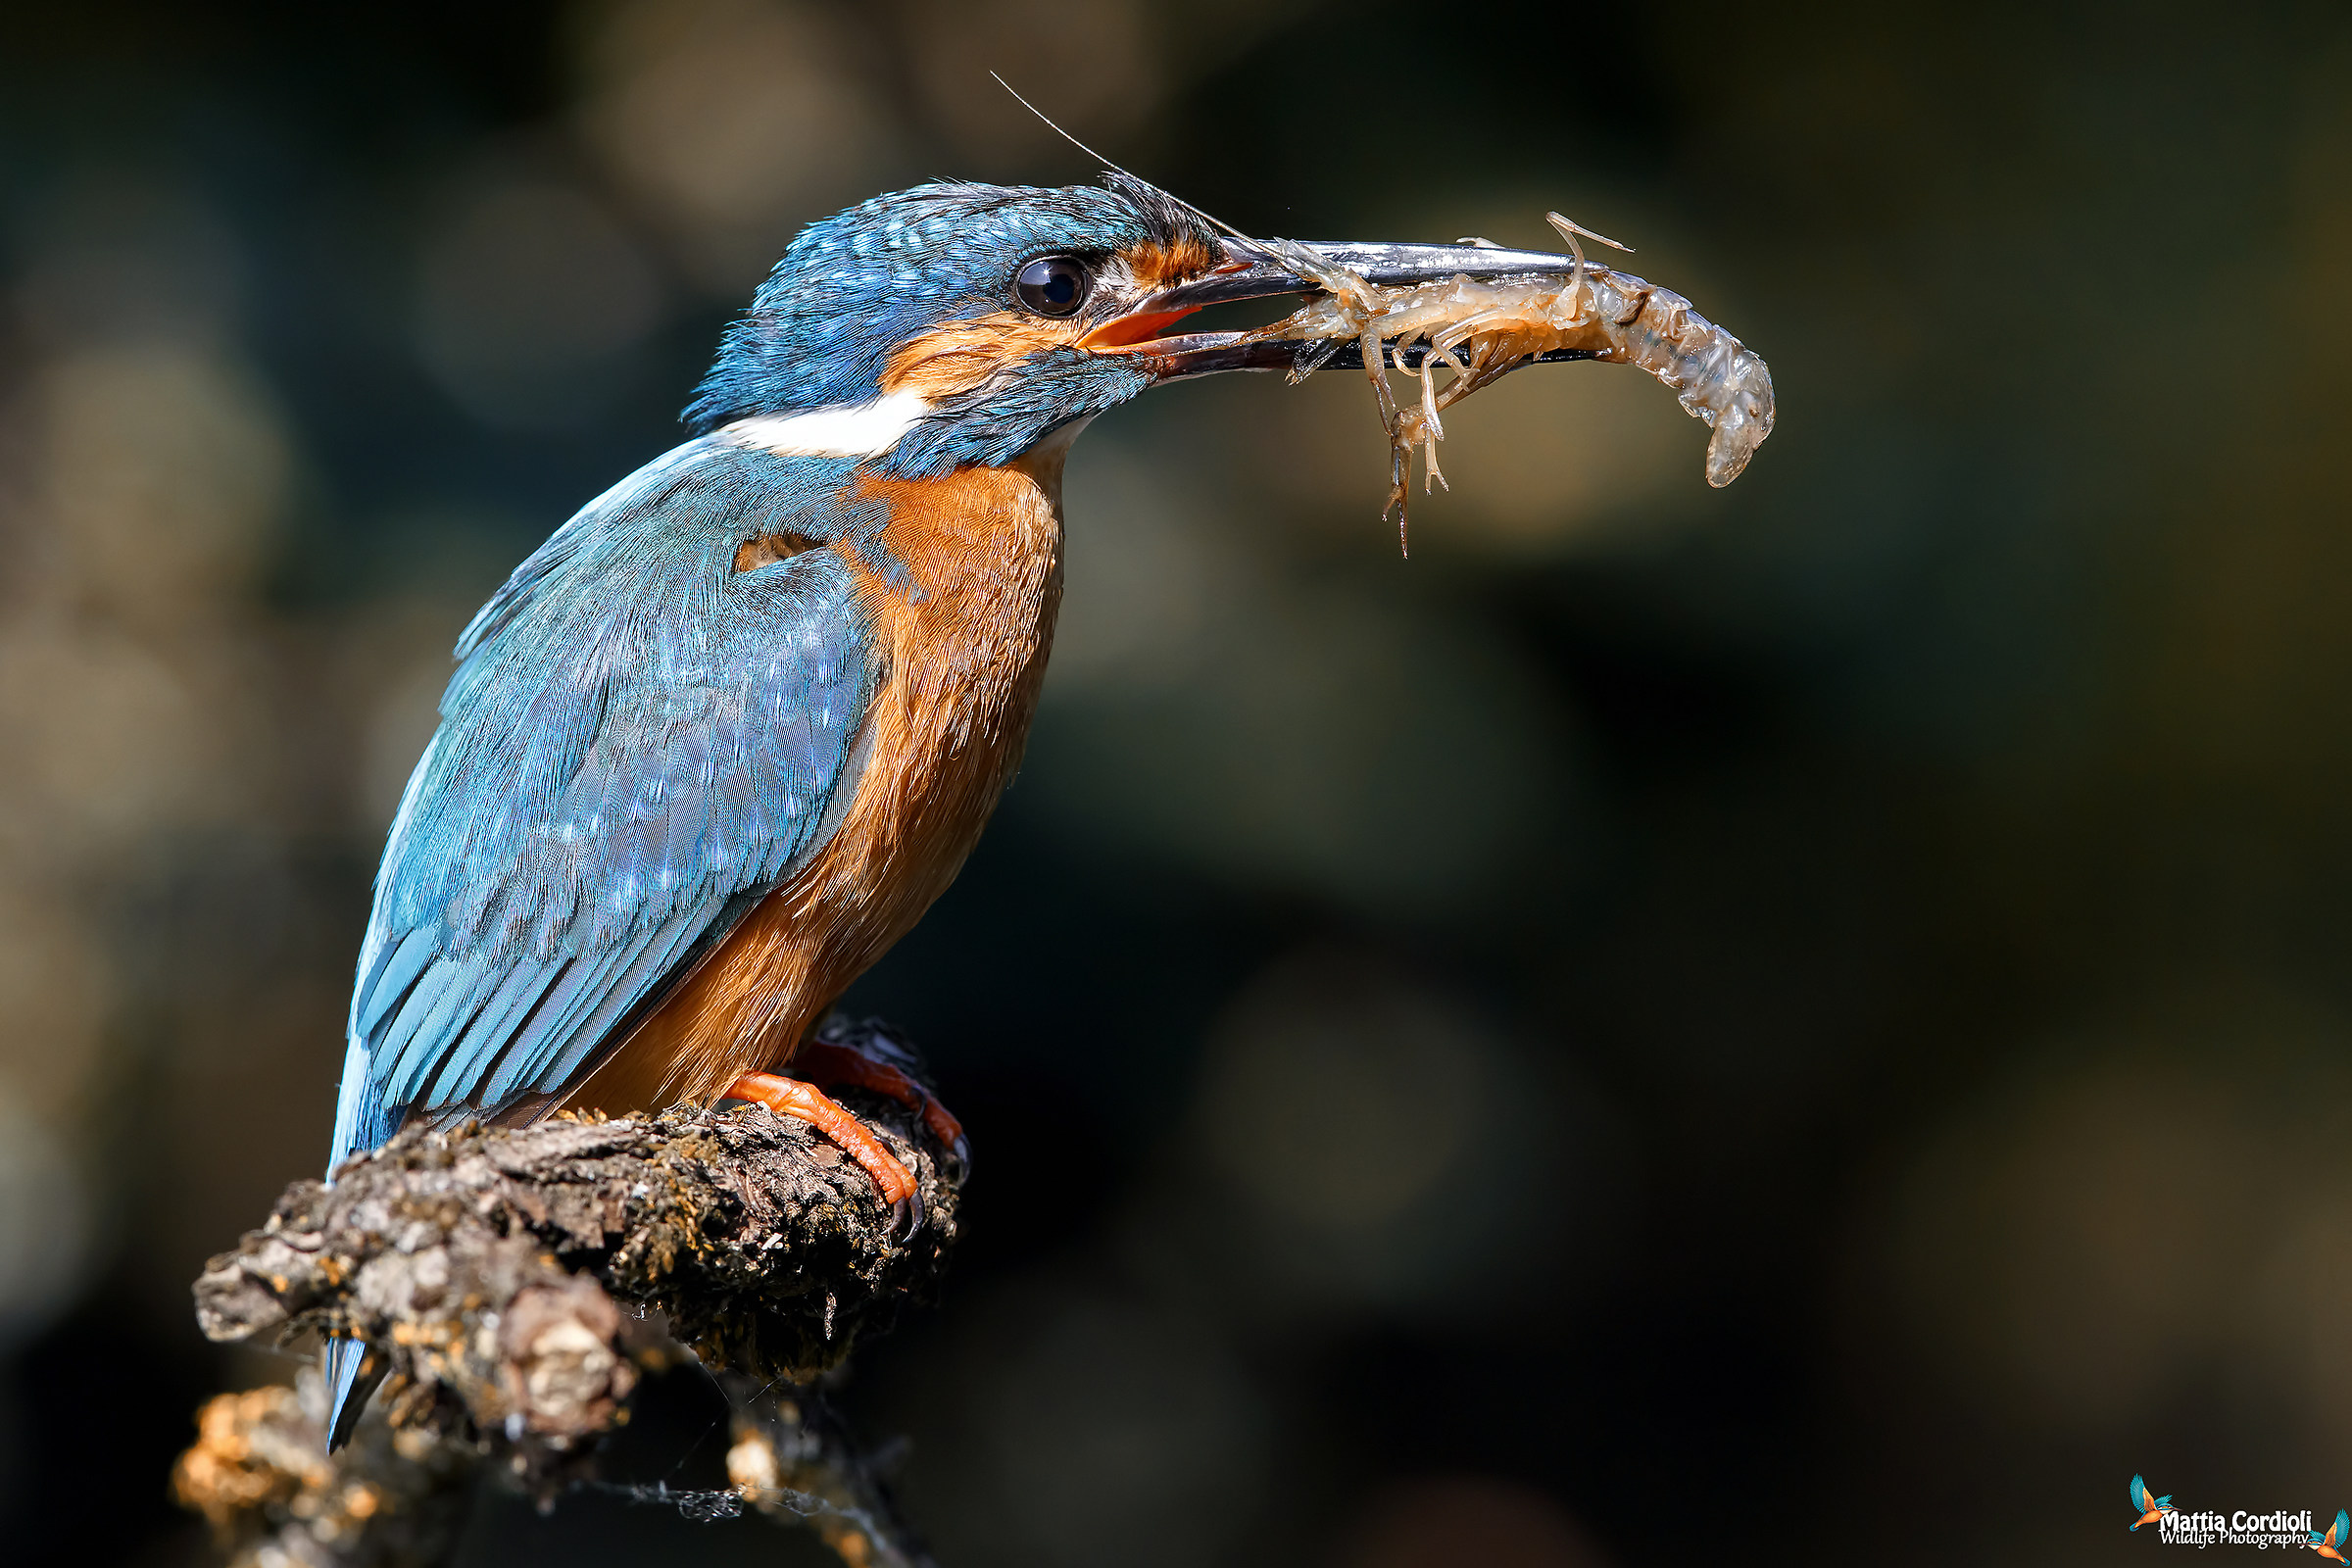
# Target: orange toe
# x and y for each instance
(789, 1096)
(822, 1061)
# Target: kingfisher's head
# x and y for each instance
(958, 323)
(954, 323)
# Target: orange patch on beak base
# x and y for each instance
(1156, 266)
(1126, 331)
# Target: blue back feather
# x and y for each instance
(638, 744)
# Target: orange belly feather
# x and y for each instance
(964, 657)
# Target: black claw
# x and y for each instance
(909, 1210)
(959, 1160)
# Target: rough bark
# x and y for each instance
(514, 1284)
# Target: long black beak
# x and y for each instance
(1252, 273)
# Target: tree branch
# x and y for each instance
(515, 1282)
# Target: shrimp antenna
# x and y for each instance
(1107, 164)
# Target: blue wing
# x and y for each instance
(639, 743)
(2340, 1531)
(2140, 1493)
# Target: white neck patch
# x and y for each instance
(842, 431)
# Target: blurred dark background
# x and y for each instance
(1805, 1021)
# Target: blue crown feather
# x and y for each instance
(854, 287)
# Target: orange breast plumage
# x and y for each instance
(961, 638)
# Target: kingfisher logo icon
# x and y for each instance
(2153, 1511)
(2331, 1545)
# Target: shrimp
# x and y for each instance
(1481, 330)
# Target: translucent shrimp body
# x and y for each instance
(1484, 329)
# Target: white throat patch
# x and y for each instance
(843, 431)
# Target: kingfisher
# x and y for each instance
(722, 739)
(2331, 1546)
(2152, 1509)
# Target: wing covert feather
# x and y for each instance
(637, 745)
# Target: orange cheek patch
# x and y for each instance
(962, 355)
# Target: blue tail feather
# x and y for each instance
(349, 1381)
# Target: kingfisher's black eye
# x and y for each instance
(1053, 285)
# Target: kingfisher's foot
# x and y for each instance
(789, 1096)
(834, 1063)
